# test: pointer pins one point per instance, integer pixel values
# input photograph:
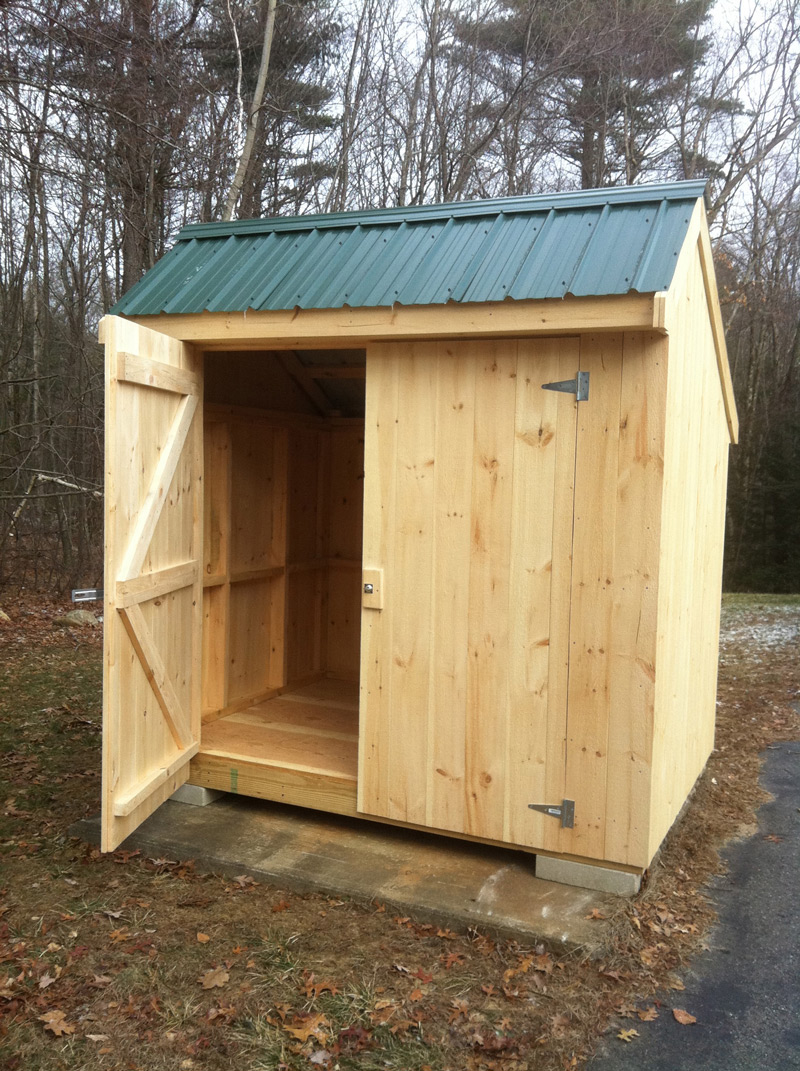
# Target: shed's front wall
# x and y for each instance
(499, 673)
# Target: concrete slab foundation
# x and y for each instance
(587, 876)
(196, 795)
(433, 879)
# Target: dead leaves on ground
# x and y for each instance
(56, 1021)
(683, 1017)
(214, 977)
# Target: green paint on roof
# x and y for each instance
(584, 243)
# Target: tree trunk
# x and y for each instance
(252, 119)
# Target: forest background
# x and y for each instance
(122, 120)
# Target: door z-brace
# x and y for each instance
(566, 812)
(579, 386)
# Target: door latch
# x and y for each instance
(579, 386)
(565, 811)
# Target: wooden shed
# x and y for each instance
(417, 515)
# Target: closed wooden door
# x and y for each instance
(153, 583)
(468, 522)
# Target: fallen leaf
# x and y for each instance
(314, 988)
(118, 936)
(222, 1012)
(355, 1038)
(217, 976)
(423, 976)
(451, 958)
(282, 905)
(649, 1014)
(244, 881)
(415, 995)
(311, 1026)
(122, 855)
(203, 938)
(402, 1026)
(97, 1037)
(596, 913)
(676, 983)
(683, 1017)
(628, 1035)
(56, 1022)
(460, 1008)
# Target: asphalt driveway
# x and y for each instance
(744, 992)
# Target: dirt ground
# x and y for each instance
(126, 962)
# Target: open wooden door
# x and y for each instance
(468, 514)
(153, 581)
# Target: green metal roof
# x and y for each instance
(590, 242)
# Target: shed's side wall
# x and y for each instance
(690, 570)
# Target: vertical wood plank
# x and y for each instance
(632, 639)
(541, 558)
(276, 666)
(489, 591)
(380, 451)
(216, 559)
(409, 585)
(452, 540)
(593, 593)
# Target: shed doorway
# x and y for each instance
(283, 520)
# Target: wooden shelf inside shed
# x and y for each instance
(299, 747)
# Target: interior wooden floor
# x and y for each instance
(298, 747)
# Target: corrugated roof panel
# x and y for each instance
(342, 262)
(665, 247)
(589, 242)
(495, 274)
(405, 255)
(248, 267)
(211, 276)
(550, 264)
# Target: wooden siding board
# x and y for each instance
(541, 553)
(380, 449)
(593, 594)
(408, 593)
(447, 733)
(632, 640)
(490, 593)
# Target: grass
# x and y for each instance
(120, 944)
